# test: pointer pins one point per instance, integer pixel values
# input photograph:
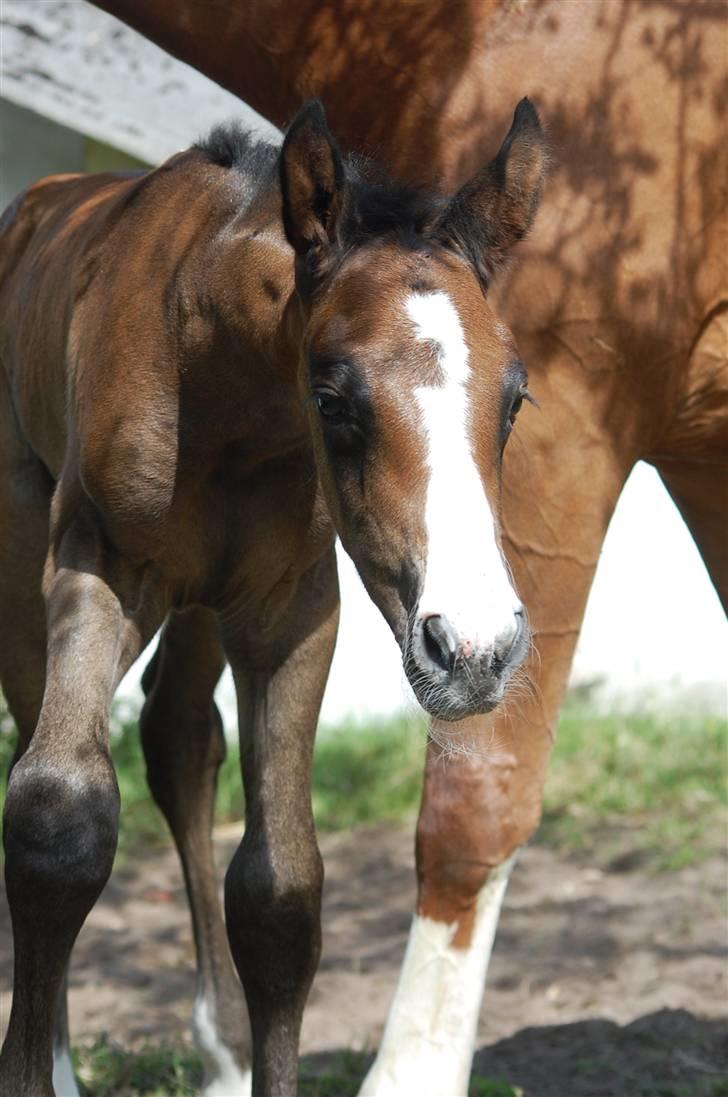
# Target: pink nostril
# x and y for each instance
(465, 648)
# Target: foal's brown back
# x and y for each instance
(65, 238)
(116, 292)
(53, 241)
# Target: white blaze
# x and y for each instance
(427, 1047)
(465, 576)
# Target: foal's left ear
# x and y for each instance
(312, 185)
(496, 208)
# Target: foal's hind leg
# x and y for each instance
(273, 884)
(62, 805)
(184, 746)
(25, 496)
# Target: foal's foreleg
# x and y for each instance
(62, 805)
(273, 885)
(184, 747)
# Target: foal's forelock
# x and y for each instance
(465, 578)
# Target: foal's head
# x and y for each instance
(413, 388)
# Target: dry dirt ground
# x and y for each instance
(601, 983)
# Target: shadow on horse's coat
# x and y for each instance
(198, 395)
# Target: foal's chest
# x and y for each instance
(239, 527)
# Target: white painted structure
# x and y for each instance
(81, 68)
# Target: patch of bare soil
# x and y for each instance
(601, 984)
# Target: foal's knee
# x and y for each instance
(273, 916)
(60, 831)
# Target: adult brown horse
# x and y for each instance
(197, 395)
(620, 311)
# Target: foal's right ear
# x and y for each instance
(313, 187)
(495, 209)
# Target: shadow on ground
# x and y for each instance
(663, 1053)
(669, 1053)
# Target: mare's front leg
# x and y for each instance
(273, 884)
(477, 810)
(62, 805)
(479, 806)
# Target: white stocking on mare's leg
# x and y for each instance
(463, 862)
(433, 1019)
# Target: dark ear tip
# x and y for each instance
(526, 116)
(311, 113)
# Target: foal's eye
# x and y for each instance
(517, 403)
(521, 395)
(331, 408)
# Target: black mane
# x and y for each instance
(377, 206)
(230, 145)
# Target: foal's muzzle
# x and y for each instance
(451, 676)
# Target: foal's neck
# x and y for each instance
(244, 345)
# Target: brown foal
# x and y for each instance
(197, 396)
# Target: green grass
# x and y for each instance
(637, 789)
(368, 773)
(631, 789)
(165, 1070)
(161, 1070)
(106, 1070)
